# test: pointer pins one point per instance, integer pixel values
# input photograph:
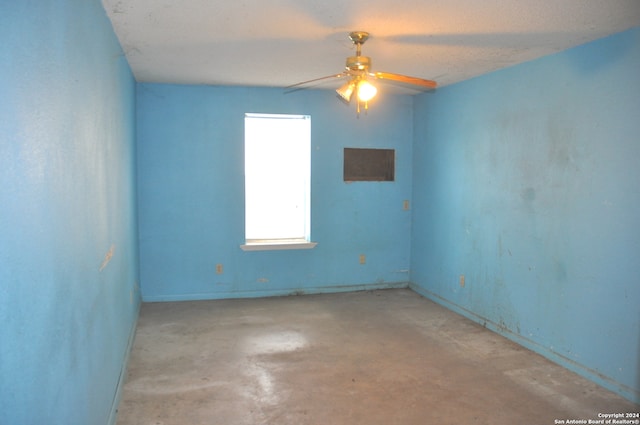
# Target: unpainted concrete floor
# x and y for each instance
(374, 357)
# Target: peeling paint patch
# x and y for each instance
(107, 258)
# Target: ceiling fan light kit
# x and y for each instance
(364, 90)
(358, 70)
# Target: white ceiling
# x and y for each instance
(281, 42)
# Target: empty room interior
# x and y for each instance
(466, 245)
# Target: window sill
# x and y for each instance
(277, 245)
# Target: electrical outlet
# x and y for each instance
(219, 268)
(405, 204)
(462, 280)
(363, 259)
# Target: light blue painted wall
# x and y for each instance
(67, 195)
(526, 181)
(191, 195)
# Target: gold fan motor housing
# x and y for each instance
(358, 63)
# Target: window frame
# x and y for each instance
(283, 243)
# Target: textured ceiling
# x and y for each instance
(281, 42)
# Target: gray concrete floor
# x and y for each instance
(375, 357)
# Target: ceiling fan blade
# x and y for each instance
(298, 86)
(430, 84)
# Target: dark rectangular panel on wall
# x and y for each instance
(362, 164)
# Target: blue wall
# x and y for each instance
(526, 182)
(67, 200)
(191, 195)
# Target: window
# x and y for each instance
(277, 169)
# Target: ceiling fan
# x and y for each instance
(359, 74)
